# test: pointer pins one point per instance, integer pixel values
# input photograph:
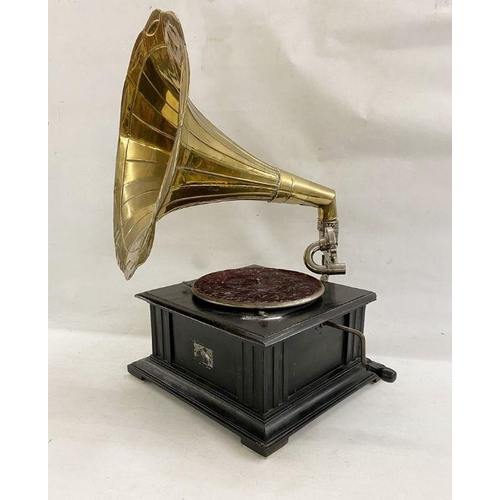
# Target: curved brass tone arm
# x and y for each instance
(295, 189)
(386, 374)
(328, 227)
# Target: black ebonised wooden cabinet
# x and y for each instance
(262, 375)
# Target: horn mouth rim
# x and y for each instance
(162, 30)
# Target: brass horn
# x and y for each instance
(170, 156)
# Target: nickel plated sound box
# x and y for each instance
(260, 350)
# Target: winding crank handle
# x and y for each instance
(383, 372)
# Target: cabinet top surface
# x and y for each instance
(262, 327)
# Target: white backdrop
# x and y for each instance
(352, 95)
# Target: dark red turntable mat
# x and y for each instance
(258, 288)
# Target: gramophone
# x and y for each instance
(260, 350)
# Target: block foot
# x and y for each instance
(135, 372)
(261, 449)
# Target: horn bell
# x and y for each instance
(170, 156)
